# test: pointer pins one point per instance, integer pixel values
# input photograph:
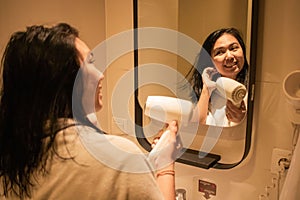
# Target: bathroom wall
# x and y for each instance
(96, 21)
(16, 15)
(278, 54)
(87, 16)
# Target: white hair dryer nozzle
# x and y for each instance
(167, 109)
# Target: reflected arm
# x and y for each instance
(201, 109)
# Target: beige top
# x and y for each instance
(104, 167)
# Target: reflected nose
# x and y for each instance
(229, 56)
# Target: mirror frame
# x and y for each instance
(190, 156)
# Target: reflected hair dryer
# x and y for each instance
(231, 90)
(167, 109)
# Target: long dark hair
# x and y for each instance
(39, 69)
(204, 59)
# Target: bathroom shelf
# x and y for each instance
(192, 157)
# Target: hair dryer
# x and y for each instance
(167, 109)
(231, 90)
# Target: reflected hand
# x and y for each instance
(234, 113)
(207, 75)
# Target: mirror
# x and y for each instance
(168, 37)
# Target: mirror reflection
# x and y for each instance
(194, 19)
(219, 79)
(214, 77)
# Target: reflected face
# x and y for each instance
(94, 76)
(228, 56)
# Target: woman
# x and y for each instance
(50, 145)
(223, 55)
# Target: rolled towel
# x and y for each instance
(231, 90)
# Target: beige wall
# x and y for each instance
(200, 18)
(156, 13)
(87, 16)
(119, 20)
(96, 20)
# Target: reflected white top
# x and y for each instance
(217, 113)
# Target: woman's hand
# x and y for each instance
(164, 159)
(234, 113)
(160, 132)
(207, 75)
(165, 152)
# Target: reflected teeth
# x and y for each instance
(229, 66)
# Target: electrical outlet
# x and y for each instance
(277, 155)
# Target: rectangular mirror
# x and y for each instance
(168, 38)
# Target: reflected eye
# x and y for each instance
(218, 52)
(90, 58)
(234, 47)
